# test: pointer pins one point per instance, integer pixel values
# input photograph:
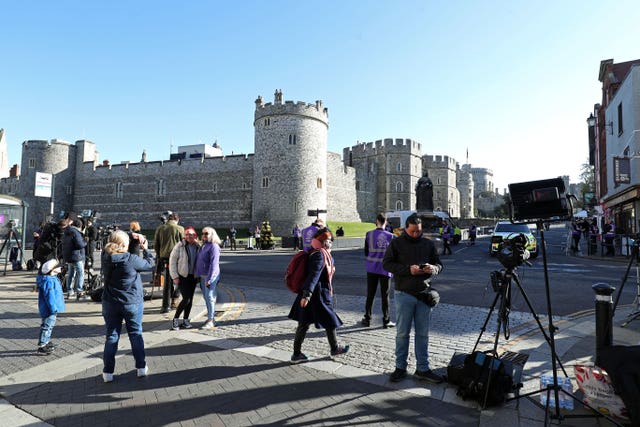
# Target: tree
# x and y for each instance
(587, 184)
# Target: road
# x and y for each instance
(465, 279)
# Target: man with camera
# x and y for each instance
(413, 260)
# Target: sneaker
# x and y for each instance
(82, 297)
(44, 350)
(175, 324)
(71, 295)
(365, 322)
(186, 324)
(107, 378)
(51, 345)
(143, 372)
(388, 325)
(429, 376)
(398, 375)
(209, 324)
(301, 358)
(340, 350)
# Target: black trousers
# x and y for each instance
(372, 286)
(187, 288)
(301, 333)
(447, 248)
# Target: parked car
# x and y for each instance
(506, 230)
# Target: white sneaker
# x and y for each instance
(107, 378)
(143, 372)
(208, 325)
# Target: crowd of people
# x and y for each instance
(187, 261)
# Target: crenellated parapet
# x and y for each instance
(440, 162)
(384, 146)
(290, 108)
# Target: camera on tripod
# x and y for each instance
(512, 251)
(11, 224)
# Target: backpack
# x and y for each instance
(480, 369)
(296, 272)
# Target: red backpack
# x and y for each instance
(296, 272)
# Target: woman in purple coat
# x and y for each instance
(314, 305)
(208, 268)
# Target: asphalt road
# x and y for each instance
(466, 276)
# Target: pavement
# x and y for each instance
(238, 373)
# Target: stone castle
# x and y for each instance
(289, 174)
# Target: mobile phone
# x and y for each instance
(423, 265)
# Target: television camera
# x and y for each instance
(512, 252)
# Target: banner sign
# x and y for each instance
(621, 170)
(43, 184)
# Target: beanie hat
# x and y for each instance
(49, 266)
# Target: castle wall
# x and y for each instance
(204, 192)
(442, 171)
(341, 191)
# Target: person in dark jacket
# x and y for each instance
(413, 260)
(50, 303)
(73, 251)
(122, 300)
(314, 304)
(91, 233)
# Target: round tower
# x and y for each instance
(55, 157)
(290, 162)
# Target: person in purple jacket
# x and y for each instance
(208, 268)
(375, 244)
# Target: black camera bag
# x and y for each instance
(486, 376)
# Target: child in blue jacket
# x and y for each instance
(50, 303)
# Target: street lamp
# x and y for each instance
(591, 121)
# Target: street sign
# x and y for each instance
(315, 212)
(43, 184)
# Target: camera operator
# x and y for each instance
(91, 234)
(165, 238)
(413, 260)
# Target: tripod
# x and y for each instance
(635, 257)
(556, 388)
(7, 244)
(502, 285)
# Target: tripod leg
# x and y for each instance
(537, 319)
(486, 321)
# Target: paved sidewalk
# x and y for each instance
(238, 374)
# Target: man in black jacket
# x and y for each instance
(413, 260)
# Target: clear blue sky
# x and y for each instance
(511, 81)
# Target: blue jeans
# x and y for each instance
(114, 314)
(75, 269)
(209, 294)
(46, 328)
(409, 310)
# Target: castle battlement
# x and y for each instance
(224, 163)
(43, 143)
(300, 108)
(440, 161)
(388, 145)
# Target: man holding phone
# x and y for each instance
(413, 260)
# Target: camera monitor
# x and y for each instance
(544, 199)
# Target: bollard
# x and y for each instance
(604, 320)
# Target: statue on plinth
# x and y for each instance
(424, 194)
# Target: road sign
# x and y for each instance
(315, 212)
(43, 184)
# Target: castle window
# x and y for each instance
(161, 187)
(267, 121)
(32, 163)
(119, 190)
(68, 189)
(214, 187)
(244, 186)
(292, 139)
(399, 167)
(398, 205)
(398, 187)
(265, 182)
(357, 185)
(296, 207)
(437, 195)
(319, 183)
(439, 180)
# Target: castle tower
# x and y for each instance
(4, 156)
(56, 157)
(290, 162)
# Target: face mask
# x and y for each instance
(328, 244)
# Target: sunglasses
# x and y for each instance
(205, 233)
(191, 234)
